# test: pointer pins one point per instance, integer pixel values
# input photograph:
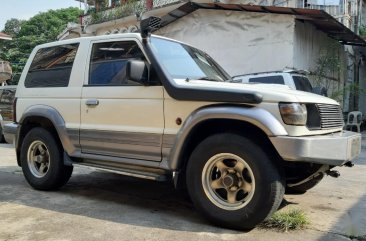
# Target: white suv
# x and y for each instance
(294, 79)
(155, 108)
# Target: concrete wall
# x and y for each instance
(309, 45)
(362, 101)
(241, 42)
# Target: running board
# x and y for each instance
(124, 171)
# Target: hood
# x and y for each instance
(270, 92)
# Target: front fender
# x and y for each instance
(258, 117)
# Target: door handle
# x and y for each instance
(92, 102)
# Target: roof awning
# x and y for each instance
(89, 2)
(319, 18)
(5, 36)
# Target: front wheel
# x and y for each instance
(42, 163)
(232, 181)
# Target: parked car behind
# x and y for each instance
(295, 79)
(7, 94)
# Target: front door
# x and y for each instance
(120, 117)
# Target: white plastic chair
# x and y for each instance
(354, 119)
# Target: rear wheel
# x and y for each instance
(232, 181)
(42, 160)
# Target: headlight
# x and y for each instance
(293, 113)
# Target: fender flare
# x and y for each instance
(56, 119)
(258, 117)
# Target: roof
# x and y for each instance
(90, 2)
(5, 36)
(319, 18)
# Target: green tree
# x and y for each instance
(12, 26)
(42, 28)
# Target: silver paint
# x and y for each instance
(332, 149)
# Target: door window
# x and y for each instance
(109, 60)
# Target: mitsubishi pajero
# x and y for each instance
(155, 108)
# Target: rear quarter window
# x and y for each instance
(268, 80)
(51, 67)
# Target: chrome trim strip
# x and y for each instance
(253, 115)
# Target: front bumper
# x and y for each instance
(332, 149)
(10, 131)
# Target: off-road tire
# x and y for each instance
(269, 184)
(57, 173)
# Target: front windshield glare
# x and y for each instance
(184, 62)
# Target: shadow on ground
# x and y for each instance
(111, 197)
(352, 223)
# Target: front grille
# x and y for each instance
(330, 116)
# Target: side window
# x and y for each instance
(109, 60)
(268, 80)
(302, 83)
(51, 67)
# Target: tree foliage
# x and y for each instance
(12, 26)
(42, 28)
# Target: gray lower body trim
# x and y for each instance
(168, 143)
(126, 172)
(333, 149)
(144, 146)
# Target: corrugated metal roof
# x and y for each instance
(319, 18)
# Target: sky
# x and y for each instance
(25, 9)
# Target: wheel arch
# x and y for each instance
(247, 121)
(48, 118)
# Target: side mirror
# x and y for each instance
(137, 71)
(320, 91)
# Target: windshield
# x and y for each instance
(185, 62)
(302, 83)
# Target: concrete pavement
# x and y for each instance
(105, 206)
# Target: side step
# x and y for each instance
(124, 171)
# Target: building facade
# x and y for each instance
(254, 41)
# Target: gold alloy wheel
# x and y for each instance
(228, 181)
(38, 159)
